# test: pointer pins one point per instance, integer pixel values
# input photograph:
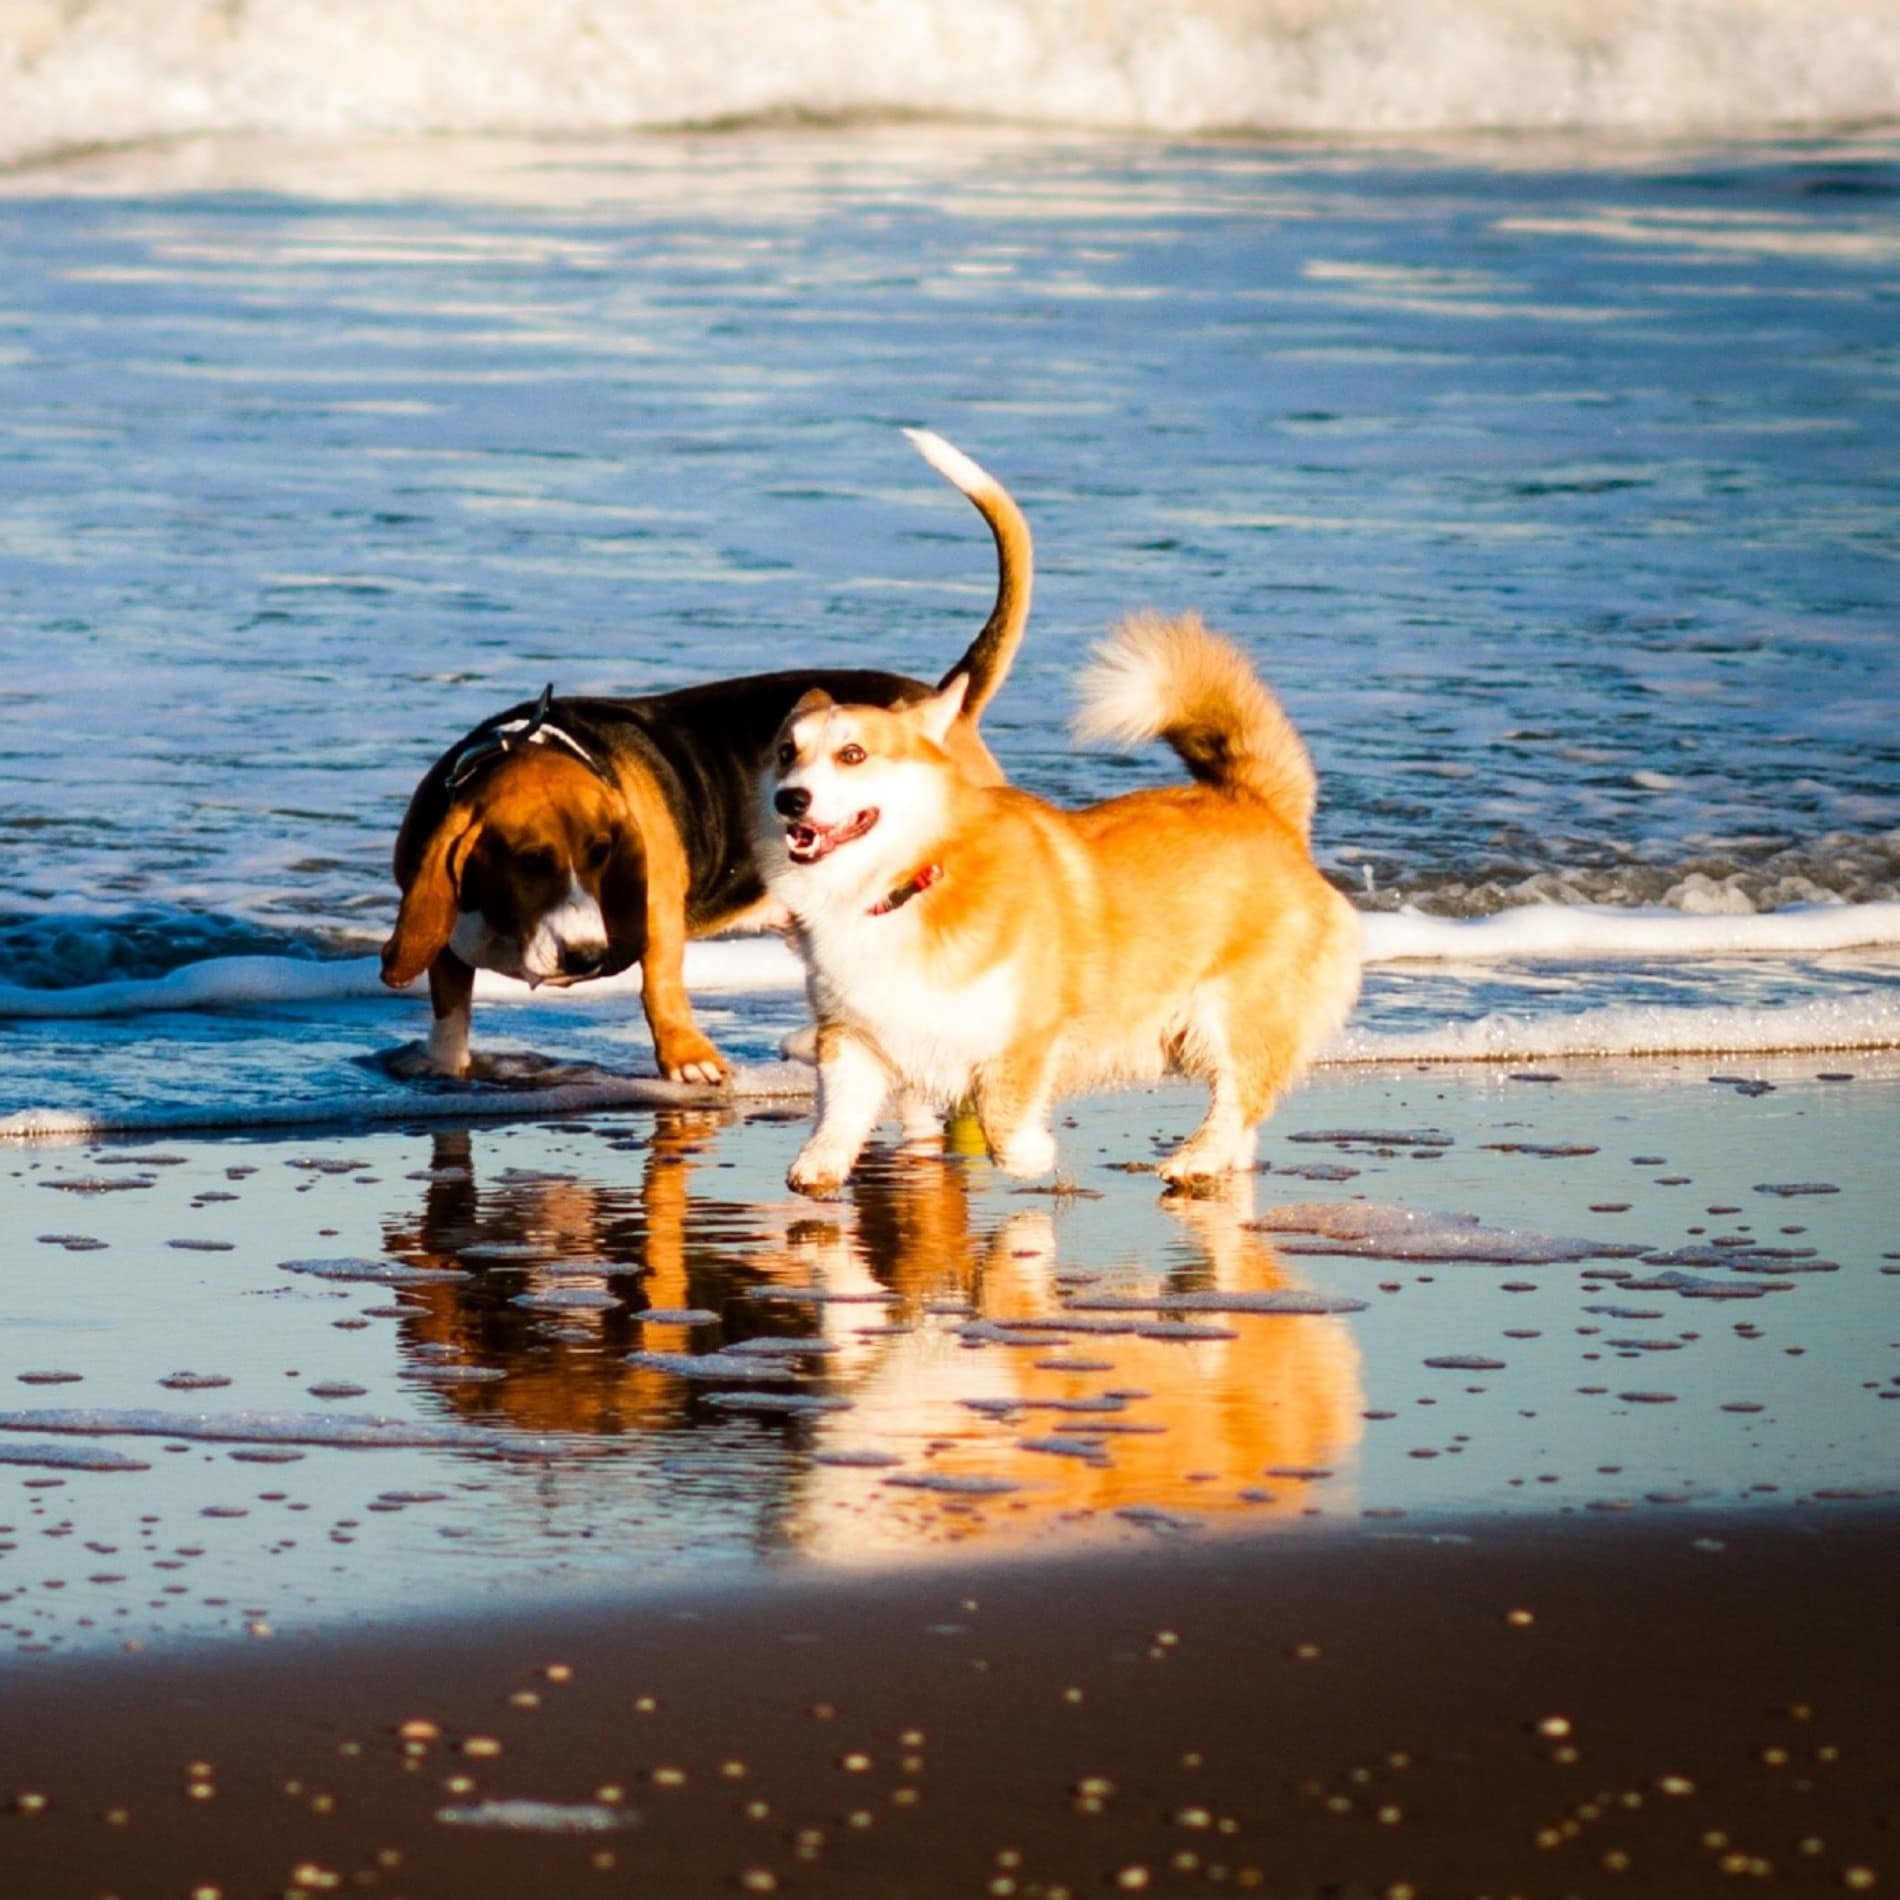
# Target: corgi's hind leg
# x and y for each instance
(1242, 1081)
(1224, 1143)
(852, 1084)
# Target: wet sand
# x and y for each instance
(1508, 1708)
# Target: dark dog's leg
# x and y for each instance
(682, 1049)
(451, 992)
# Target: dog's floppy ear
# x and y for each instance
(429, 907)
(623, 891)
(937, 714)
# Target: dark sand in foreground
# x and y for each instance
(1538, 1708)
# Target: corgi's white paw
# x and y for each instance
(821, 1169)
(1028, 1153)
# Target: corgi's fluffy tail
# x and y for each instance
(1158, 678)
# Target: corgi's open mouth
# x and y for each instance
(806, 843)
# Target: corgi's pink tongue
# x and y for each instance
(806, 843)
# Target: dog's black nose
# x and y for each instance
(582, 959)
(791, 801)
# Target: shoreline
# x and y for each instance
(1532, 1707)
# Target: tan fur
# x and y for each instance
(1180, 930)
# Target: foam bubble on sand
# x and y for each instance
(953, 1484)
(1369, 1231)
(1278, 1300)
(1060, 1445)
(775, 1402)
(71, 1457)
(567, 1299)
(539, 1817)
(767, 1348)
(373, 1272)
(824, 1296)
(351, 1431)
(715, 1367)
(1693, 1286)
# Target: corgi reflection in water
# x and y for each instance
(1230, 1426)
(1195, 1425)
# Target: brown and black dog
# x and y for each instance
(574, 838)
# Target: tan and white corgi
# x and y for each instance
(971, 940)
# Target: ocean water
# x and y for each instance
(1550, 481)
(1520, 385)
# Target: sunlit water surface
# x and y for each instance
(291, 1384)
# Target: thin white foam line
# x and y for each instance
(1607, 931)
(762, 1083)
(1593, 932)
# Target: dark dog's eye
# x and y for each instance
(598, 852)
(850, 755)
(536, 861)
(787, 753)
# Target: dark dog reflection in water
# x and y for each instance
(1215, 1415)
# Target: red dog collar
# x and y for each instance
(913, 886)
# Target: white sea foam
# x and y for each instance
(114, 70)
(1857, 1021)
(1847, 1015)
(1597, 930)
(752, 965)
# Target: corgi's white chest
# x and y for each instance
(866, 972)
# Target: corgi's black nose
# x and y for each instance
(582, 959)
(791, 801)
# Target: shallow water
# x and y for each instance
(356, 1377)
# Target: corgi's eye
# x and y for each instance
(787, 753)
(850, 755)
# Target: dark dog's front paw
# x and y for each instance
(418, 1062)
(691, 1058)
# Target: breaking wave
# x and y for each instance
(76, 73)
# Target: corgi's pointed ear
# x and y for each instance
(814, 701)
(937, 714)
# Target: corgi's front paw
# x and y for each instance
(821, 1169)
(1027, 1153)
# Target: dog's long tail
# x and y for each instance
(1157, 678)
(988, 657)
